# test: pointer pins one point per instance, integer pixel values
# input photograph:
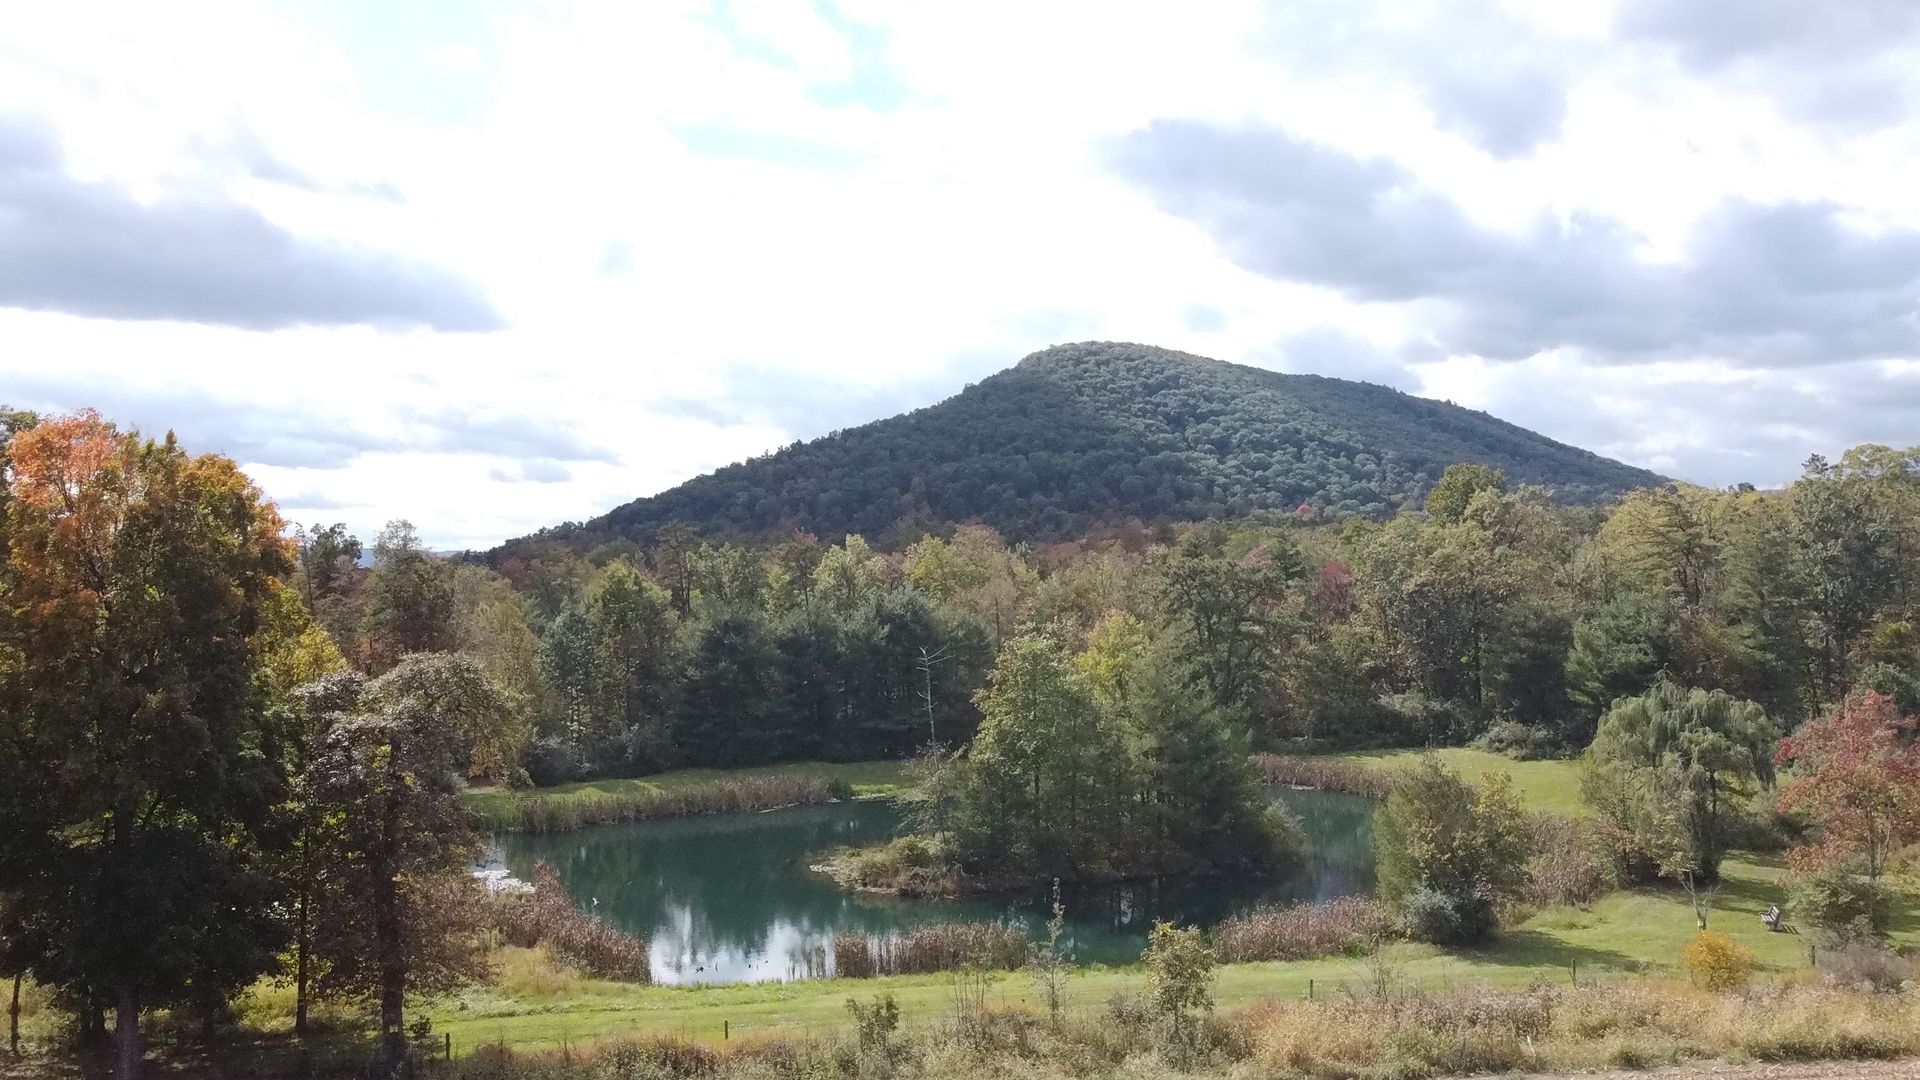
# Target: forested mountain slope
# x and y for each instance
(1081, 434)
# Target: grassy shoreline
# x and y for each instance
(1626, 934)
(681, 792)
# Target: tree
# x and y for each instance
(328, 556)
(1848, 532)
(1702, 747)
(635, 658)
(1230, 611)
(1179, 977)
(409, 598)
(400, 911)
(1043, 787)
(1858, 773)
(1203, 806)
(1447, 502)
(139, 797)
(726, 714)
(1449, 855)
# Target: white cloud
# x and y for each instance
(820, 208)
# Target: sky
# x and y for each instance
(490, 265)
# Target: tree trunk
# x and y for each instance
(126, 1033)
(390, 948)
(13, 1017)
(302, 947)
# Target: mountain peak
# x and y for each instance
(1091, 432)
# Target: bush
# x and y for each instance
(1449, 854)
(1843, 906)
(1568, 862)
(1717, 962)
(1179, 977)
(1442, 918)
(1301, 931)
(1519, 741)
(1869, 966)
(555, 761)
(875, 1022)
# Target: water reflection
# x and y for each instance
(730, 899)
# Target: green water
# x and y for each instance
(730, 899)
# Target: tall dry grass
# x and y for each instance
(1457, 1032)
(1324, 774)
(547, 918)
(923, 949)
(577, 809)
(1301, 931)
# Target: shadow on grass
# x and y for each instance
(1537, 948)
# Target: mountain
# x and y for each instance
(1098, 432)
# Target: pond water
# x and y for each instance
(730, 899)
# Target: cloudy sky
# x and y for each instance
(495, 264)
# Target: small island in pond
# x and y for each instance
(1110, 764)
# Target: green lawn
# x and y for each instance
(867, 778)
(1541, 785)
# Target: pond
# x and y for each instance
(730, 899)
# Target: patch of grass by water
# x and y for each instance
(683, 791)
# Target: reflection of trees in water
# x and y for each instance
(710, 886)
(730, 897)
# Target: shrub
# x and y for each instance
(1444, 918)
(1717, 962)
(1519, 741)
(1301, 931)
(1843, 906)
(875, 1022)
(1567, 862)
(1440, 835)
(1867, 965)
(1179, 977)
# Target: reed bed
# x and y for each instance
(923, 949)
(1302, 931)
(1323, 774)
(547, 918)
(557, 812)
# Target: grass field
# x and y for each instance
(867, 778)
(1541, 785)
(1627, 933)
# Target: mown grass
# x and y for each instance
(592, 800)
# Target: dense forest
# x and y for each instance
(1083, 435)
(1493, 613)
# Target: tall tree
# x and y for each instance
(1044, 786)
(135, 583)
(409, 598)
(1231, 612)
(400, 914)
